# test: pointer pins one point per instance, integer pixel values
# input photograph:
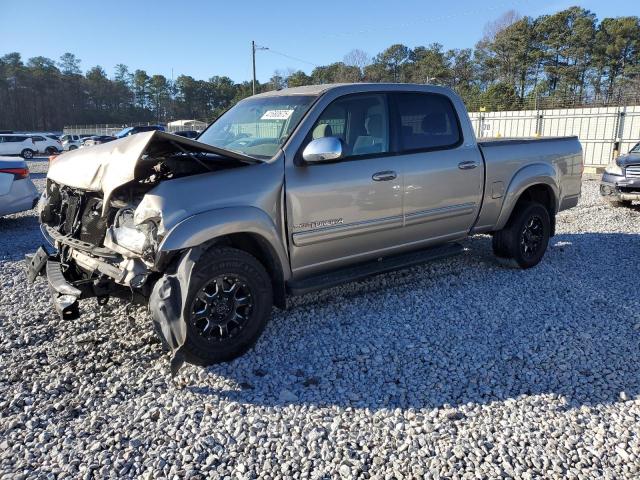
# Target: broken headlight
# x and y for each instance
(140, 239)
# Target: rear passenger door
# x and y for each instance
(443, 174)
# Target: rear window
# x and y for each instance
(427, 121)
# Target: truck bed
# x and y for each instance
(505, 158)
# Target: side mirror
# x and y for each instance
(323, 149)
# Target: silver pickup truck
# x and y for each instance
(287, 192)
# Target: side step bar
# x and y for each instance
(374, 267)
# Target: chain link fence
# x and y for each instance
(113, 128)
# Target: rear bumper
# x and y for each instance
(22, 196)
(616, 187)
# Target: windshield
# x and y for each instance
(257, 127)
(635, 149)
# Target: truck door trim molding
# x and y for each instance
(432, 214)
(309, 237)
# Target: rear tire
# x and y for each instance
(526, 236)
(228, 303)
(27, 154)
(72, 147)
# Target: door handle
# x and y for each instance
(384, 176)
(467, 165)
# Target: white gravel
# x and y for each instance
(463, 368)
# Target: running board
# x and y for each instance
(374, 267)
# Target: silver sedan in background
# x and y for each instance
(17, 191)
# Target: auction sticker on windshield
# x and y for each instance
(276, 115)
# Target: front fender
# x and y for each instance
(206, 226)
(534, 174)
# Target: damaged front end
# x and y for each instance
(104, 227)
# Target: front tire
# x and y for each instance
(526, 236)
(27, 154)
(228, 304)
(51, 151)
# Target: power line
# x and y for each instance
(291, 57)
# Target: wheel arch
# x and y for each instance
(245, 228)
(532, 183)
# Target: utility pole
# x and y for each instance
(255, 47)
(253, 57)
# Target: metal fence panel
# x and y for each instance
(601, 130)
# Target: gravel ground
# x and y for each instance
(463, 368)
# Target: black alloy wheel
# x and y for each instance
(221, 309)
(531, 237)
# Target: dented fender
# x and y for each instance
(168, 305)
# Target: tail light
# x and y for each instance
(18, 173)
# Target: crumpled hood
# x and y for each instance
(100, 168)
(105, 167)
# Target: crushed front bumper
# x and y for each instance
(100, 280)
(64, 295)
(616, 187)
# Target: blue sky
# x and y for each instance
(206, 38)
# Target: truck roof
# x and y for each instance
(352, 88)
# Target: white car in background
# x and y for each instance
(47, 144)
(71, 142)
(17, 191)
(17, 144)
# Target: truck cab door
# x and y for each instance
(444, 172)
(347, 210)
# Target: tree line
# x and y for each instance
(569, 58)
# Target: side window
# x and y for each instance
(360, 121)
(38, 138)
(427, 121)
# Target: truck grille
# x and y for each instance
(633, 171)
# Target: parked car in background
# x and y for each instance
(287, 192)
(97, 140)
(16, 144)
(620, 183)
(187, 133)
(47, 144)
(71, 142)
(125, 132)
(17, 191)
